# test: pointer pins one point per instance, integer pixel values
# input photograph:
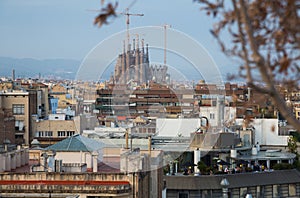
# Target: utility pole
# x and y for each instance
(127, 14)
(165, 26)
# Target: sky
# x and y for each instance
(44, 29)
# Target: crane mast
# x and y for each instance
(128, 14)
(165, 26)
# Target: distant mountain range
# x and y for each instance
(55, 68)
(32, 68)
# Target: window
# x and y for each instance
(61, 134)
(183, 195)
(19, 125)
(48, 133)
(40, 134)
(211, 116)
(214, 103)
(44, 134)
(275, 191)
(70, 133)
(292, 190)
(18, 109)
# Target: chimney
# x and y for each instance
(220, 110)
(149, 145)
(95, 161)
(13, 75)
(126, 139)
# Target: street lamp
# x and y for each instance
(224, 183)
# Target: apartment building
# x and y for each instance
(285, 183)
(157, 100)
(54, 129)
(64, 93)
(7, 126)
(20, 103)
(41, 98)
(23, 99)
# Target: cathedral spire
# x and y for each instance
(124, 47)
(137, 41)
(147, 49)
(142, 45)
(133, 43)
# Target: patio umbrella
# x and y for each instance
(189, 164)
(222, 162)
(243, 162)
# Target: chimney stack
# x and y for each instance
(149, 145)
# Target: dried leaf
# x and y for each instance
(105, 14)
(284, 63)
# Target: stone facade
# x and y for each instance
(133, 65)
(19, 103)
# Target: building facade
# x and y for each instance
(285, 183)
(157, 100)
(133, 64)
(52, 130)
(19, 103)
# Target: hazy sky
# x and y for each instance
(64, 28)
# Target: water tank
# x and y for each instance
(254, 150)
(233, 153)
(246, 140)
(197, 156)
(51, 164)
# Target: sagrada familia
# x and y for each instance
(134, 65)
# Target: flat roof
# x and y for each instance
(14, 93)
(268, 155)
(239, 180)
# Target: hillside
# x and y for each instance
(28, 67)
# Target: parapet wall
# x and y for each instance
(64, 183)
(65, 176)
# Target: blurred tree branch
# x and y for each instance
(266, 39)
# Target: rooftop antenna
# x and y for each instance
(127, 14)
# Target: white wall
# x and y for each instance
(13, 159)
(266, 132)
(229, 114)
(57, 116)
(172, 127)
(75, 157)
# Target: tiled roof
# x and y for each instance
(207, 182)
(76, 143)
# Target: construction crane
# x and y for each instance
(165, 26)
(127, 14)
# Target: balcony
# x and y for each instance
(102, 106)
